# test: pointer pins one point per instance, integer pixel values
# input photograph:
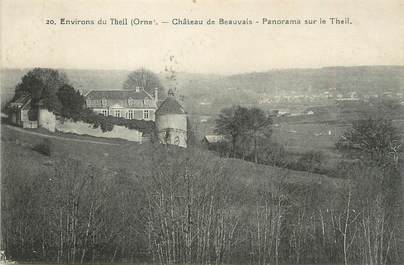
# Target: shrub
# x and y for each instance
(33, 114)
(222, 148)
(72, 102)
(106, 123)
(309, 161)
(273, 154)
(43, 148)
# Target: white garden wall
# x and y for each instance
(87, 129)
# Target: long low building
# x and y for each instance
(130, 104)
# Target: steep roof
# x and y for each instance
(20, 102)
(170, 106)
(118, 94)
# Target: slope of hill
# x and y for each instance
(139, 159)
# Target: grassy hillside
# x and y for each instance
(139, 159)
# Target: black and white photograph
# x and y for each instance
(201, 132)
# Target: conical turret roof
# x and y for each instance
(170, 106)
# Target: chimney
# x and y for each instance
(156, 92)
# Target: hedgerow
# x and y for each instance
(106, 123)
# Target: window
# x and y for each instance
(117, 113)
(130, 114)
(104, 102)
(145, 114)
(104, 112)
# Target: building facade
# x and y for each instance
(129, 104)
(18, 112)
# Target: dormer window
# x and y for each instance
(146, 101)
(130, 101)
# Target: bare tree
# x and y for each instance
(143, 79)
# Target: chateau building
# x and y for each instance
(130, 104)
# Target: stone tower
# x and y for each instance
(171, 122)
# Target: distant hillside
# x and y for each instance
(247, 88)
(363, 79)
(241, 88)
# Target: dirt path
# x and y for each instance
(18, 129)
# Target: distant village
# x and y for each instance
(332, 93)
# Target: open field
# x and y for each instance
(300, 137)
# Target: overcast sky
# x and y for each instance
(376, 36)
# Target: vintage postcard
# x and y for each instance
(202, 132)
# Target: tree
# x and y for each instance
(145, 79)
(72, 102)
(377, 139)
(258, 128)
(229, 122)
(42, 84)
(246, 127)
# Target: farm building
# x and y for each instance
(18, 112)
(23, 114)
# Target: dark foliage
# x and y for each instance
(73, 103)
(106, 123)
(378, 139)
(248, 128)
(43, 148)
(42, 84)
(273, 154)
(222, 148)
(311, 160)
(33, 114)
